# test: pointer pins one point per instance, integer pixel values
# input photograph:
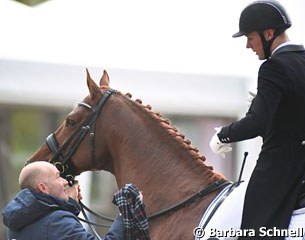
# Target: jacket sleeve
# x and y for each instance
(116, 231)
(64, 225)
(270, 90)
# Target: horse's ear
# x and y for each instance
(93, 88)
(105, 79)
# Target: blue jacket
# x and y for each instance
(34, 216)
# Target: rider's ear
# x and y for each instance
(93, 88)
(269, 34)
(105, 79)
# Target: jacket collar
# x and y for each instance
(28, 207)
(288, 48)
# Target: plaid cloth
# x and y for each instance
(133, 213)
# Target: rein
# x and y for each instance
(204, 192)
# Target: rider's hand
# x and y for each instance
(217, 146)
(250, 98)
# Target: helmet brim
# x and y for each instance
(238, 34)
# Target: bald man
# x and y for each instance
(47, 208)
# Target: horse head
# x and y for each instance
(72, 147)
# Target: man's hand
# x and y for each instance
(74, 191)
(217, 146)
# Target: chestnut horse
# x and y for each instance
(110, 131)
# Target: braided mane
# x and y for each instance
(172, 131)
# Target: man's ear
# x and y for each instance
(41, 187)
(268, 34)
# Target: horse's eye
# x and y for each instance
(70, 122)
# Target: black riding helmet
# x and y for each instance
(261, 15)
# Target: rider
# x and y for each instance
(277, 114)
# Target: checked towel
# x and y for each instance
(133, 212)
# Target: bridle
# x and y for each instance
(61, 160)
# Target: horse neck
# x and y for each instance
(147, 150)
